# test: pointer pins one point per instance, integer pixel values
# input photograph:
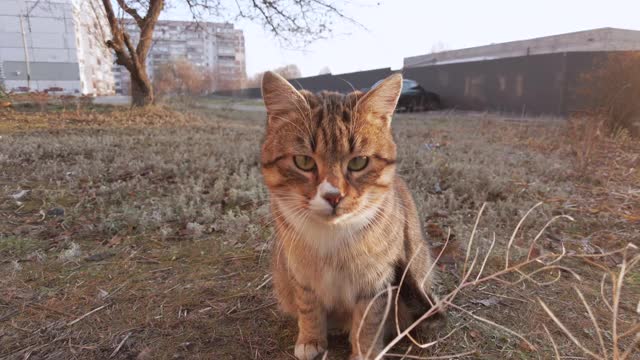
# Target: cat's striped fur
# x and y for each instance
(330, 262)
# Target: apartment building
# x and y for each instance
(54, 45)
(215, 47)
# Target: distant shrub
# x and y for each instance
(612, 91)
(5, 102)
(182, 78)
(67, 102)
(290, 71)
(584, 136)
(84, 102)
(40, 98)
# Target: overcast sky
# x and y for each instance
(399, 28)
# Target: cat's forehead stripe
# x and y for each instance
(333, 124)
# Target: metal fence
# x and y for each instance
(533, 84)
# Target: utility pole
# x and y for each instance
(26, 53)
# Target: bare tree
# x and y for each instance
(290, 71)
(609, 92)
(438, 47)
(292, 21)
(324, 71)
(182, 78)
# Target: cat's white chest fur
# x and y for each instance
(337, 284)
(336, 288)
(345, 284)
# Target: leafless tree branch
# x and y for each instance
(132, 12)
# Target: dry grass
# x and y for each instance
(67, 113)
(152, 242)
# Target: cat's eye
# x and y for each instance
(304, 163)
(358, 163)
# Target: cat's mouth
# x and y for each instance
(345, 213)
(331, 216)
(341, 216)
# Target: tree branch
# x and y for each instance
(266, 17)
(132, 12)
(337, 11)
(119, 40)
(111, 17)
(146, 30)
(132, 51)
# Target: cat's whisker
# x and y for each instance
(289, 232)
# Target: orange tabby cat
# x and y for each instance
(346, 224)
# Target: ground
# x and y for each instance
(126, 238)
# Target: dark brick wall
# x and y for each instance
(529, 84)
(579, 63)
(534, 84)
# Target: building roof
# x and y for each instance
(604, 39)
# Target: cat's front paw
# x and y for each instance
(309, 350)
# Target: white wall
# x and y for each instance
(95, 59)
(57, 31)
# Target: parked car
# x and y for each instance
(414, 97)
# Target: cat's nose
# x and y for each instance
(333, 198)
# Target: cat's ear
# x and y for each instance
(380, 102)
(279, 96)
